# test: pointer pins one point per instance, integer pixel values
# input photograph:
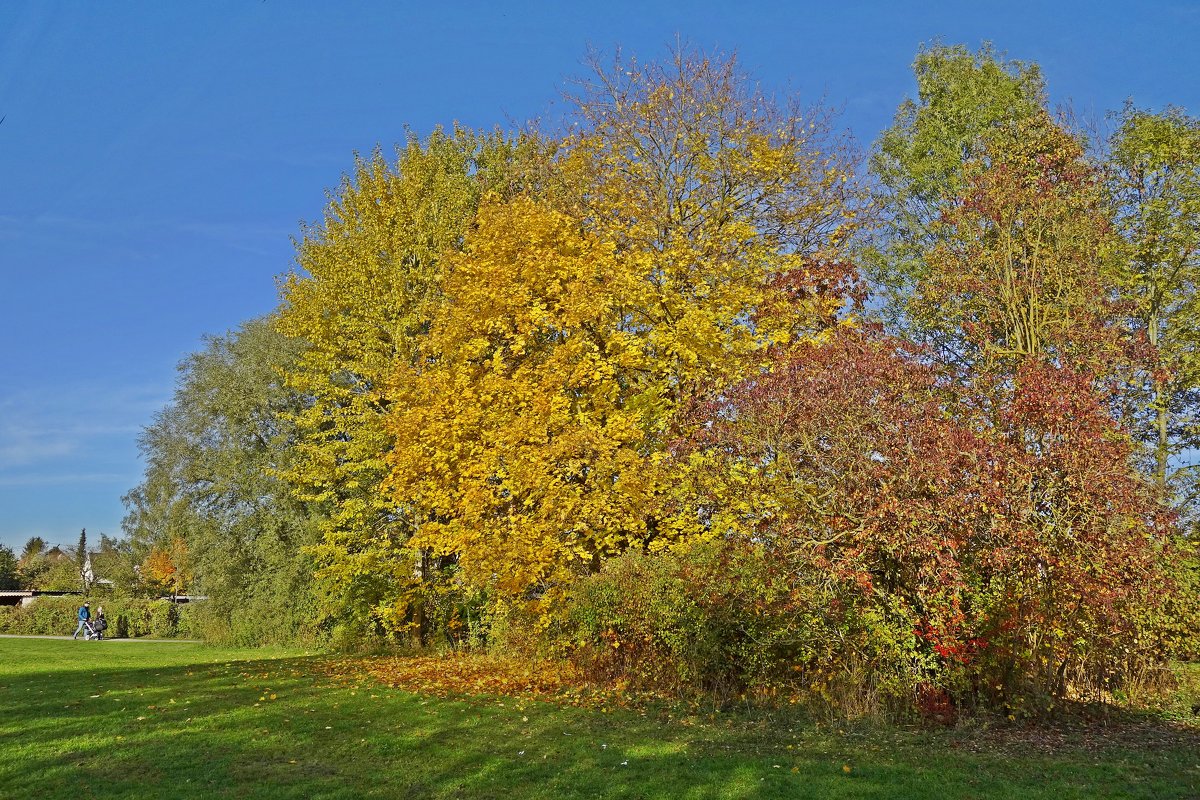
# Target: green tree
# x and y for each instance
(82, 563)
(50, 568)
(211, 496)
(919, 161)
(9, 575)
(34, 547)
(61, 573)
(113, 565)
(32, 562)
(1155, 181)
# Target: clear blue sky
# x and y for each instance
(156, 157)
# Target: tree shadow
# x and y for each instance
(281, 728)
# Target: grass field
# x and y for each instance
(158, 720)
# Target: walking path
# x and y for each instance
(142, 639)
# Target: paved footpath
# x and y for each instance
(68, 638)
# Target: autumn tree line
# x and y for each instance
(695, 395)
(133, 581)
(124, 569)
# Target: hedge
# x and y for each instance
(127, 618)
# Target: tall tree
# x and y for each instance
(9, 574)
(1025, 261)
(1155, 180)
(362, 297)
(919, 161)
(32, 562)
(681, 235)
(212, 501)
(524, 443)
(82, 563)
(33, 548)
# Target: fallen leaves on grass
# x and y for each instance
(458, 675)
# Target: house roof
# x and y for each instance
(38, 592)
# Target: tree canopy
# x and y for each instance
(680, 394)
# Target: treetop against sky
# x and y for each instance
(157, 159)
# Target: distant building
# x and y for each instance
(23, 597)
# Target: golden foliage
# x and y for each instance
(533, 353)
(167, 566)
(662, 264)
(524, 440)
(718, 190)
(365, 290)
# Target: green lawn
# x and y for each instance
(158, 720)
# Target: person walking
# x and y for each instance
(101, 624)
(84, 615)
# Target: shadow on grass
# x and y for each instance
(278, 728)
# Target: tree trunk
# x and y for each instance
(1159, 403)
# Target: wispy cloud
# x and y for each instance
(62, 479)
(47, 432)
(22, 448)
(67, 454)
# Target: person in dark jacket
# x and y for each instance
(84, 615)
(100, 624)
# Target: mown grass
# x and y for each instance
(158, 720)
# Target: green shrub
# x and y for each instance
(1180, 625)
(723, 620)
(127, 617)
(281, 610)
(44, 616)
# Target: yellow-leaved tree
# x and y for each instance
(363, 294)
(523, 440)
(732, 200)
(165, 567)
(682, 230)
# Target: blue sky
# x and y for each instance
(156, 158)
